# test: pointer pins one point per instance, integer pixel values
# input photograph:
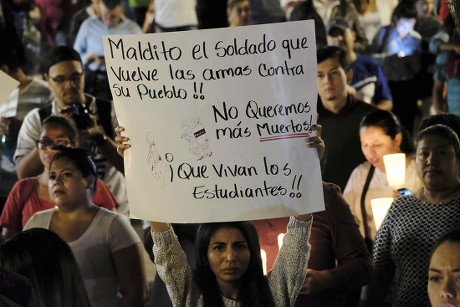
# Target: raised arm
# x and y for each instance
(288, 273)
(173, 267)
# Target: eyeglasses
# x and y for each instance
(51, 143)
(74, 78)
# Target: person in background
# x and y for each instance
(139, 8)
(149, 19)
(49, 264)
(54, 18)
(368, 82)
(64, 74)
(238, 13)
(373, 14)
(381, 134)
(288, 6)
(211, 14)
(408, 233)
(427, 25)
(79, 17)
(30, 195)
(31, 93)
(443, 287)
(344, 9)
(398, 48)
(304, 10)
(88, 44)
(340, 114)
(106, 247)
(266, 11)
(175, 15)
(441, 9)
(446, 45)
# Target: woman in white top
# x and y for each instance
(374, 14)
(107, 249)
(381, 134)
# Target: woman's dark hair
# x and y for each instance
(404, 9)
(80, 158)
(64, 123)
(452, 236)
(48, 262)
(448, 119)
(390, 124)
(232, 3)
(254, 289)
(444, 132)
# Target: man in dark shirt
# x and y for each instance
(339, 114)
(339, 263)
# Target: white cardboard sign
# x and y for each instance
(217, 120)
(8, 87)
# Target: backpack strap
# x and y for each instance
(44, 112)
(367, 237)
(386, 35)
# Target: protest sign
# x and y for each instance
(217, 120)
(8, 86)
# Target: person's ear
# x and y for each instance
(349, 74)
(91, 183)
(353, 35)
(398, 140)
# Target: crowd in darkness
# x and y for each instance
(388, 81)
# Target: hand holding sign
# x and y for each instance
(218, 122)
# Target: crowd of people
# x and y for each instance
(387, 76)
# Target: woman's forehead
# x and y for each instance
(53, 130)
(434, 141)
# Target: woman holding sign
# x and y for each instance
(229, 267)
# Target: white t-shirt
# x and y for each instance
(175, 13)
(378, 188)
(108, 233)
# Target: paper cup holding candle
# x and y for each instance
(380, 208)
(395, 168)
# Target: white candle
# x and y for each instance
(263, 255)
(380, 208)
(395, 168)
